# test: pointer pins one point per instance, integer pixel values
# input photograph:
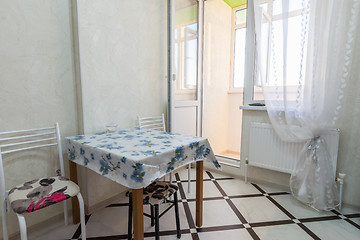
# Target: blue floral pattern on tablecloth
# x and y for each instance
(137, 157)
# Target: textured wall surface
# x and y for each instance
(122, 58)
(217, 38)
(123, 66)
(37, 85)
(349, 125)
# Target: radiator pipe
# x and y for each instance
(246, 168)
(340, 179)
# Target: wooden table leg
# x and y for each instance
(74, 201)
(199, 193)
(138, 217)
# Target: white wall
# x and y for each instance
(122, 57)
(37, 84)
(217, 39)
(349, 150)
(121, 76)
(123, 68)
(234, 122)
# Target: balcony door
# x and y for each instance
(185, 65)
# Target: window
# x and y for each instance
(272, 16)
(186, 56)
(238, 52)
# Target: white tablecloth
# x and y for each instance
(137, 157)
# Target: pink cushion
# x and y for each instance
(40, 193)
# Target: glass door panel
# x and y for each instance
(185, 50)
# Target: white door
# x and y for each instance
(185, 66)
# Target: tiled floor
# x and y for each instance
(232, 210)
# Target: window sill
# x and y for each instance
(255, 108)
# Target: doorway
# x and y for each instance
(221, 101)
(204, 101)
(185, 34)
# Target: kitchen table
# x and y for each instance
(137, 157)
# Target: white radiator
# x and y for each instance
(267, 150)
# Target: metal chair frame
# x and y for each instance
(21, 140)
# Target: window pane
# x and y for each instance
(240, 16)
(293, 5)
(258, 94)
(239, 59)
(189, 56)
(293, 53)
(192, 27)
(190, 63)
(264, 6)
(186, 50)
(176, 58)
(182, 82)
(272, 60)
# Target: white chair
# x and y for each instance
(39, 193)
(158, 123)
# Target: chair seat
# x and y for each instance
(40, 193)
(158, 192)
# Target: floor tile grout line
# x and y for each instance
(287, 213)
(166, 232)
(249, 226)
(231, 204)
(308, 231)
(253, 233)
(353, 215)
(114, 205)
(348, 217)
(250, 230)
(302, 226)
(278, 193)
(233, 207)
(231, 197)
(303, 220)
(246, 196)
(319, 219)
(336, 212)
(352, 223)
(220, 228)
(189, 217)
(208, 180)
(271, 223)
(195, 236)
(258, 188)
(236, 211)
(78, 230)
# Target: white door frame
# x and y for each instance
(172, 104)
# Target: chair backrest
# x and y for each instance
(153, 123)
(21, 140)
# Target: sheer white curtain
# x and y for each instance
(305, 51)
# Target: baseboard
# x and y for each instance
(236, 174)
